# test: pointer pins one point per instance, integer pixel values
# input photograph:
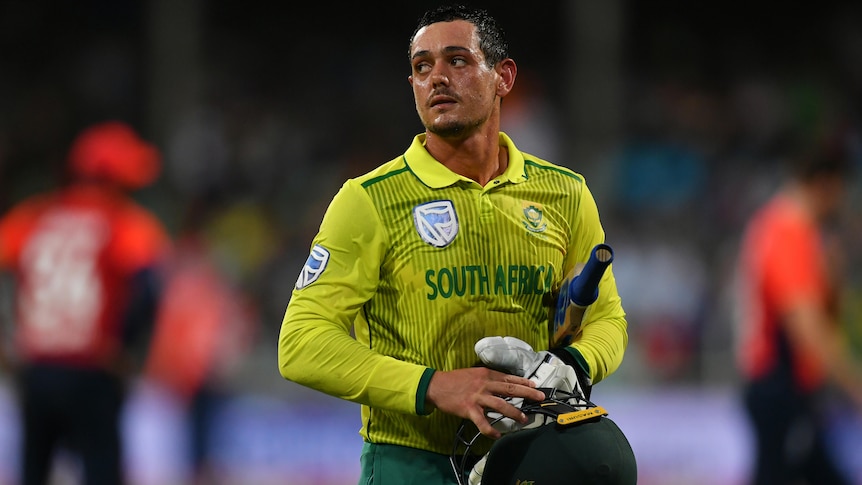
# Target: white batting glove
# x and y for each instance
(514, 356)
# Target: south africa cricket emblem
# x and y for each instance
(533, 220)
(436, 222)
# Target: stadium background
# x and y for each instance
(679, 114)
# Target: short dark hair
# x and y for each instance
(492, 39)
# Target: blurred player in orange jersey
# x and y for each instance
(204, 326)
(790, 342)
(84, 258)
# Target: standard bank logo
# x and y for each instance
(314, 266)
(436, 222)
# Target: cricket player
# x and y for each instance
(790, 347)
(457, 239)
(85, 260)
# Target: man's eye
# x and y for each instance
(458, 61)
(421, 68)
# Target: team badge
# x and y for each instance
(436, 222)
(314, 266)
(533, 220)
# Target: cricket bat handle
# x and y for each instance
(576, 294)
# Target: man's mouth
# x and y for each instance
(441, 100)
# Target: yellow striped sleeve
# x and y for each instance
(315, 347)
(604, 338)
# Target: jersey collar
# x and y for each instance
(436, 175)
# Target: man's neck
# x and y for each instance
(478, 157)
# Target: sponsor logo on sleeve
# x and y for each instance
(314, 266)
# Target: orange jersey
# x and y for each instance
(203, 325)
(73, 253)
(782, 259)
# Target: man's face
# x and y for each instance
(454, 89)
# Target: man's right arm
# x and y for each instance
(315, 347)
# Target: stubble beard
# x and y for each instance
(453, 128)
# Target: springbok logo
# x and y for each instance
(533, 221)
(436, 222)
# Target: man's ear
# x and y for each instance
(507, 70)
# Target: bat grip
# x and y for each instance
(584, 288)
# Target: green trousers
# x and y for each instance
(399, 465)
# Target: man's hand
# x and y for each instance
(469, 393)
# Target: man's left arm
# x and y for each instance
(598, 351)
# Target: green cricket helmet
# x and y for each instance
(567, 441)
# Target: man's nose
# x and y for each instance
(439, 76)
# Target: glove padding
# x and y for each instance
(514, 356)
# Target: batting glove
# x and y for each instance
(514, 356)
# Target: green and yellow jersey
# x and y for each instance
(421, 263)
